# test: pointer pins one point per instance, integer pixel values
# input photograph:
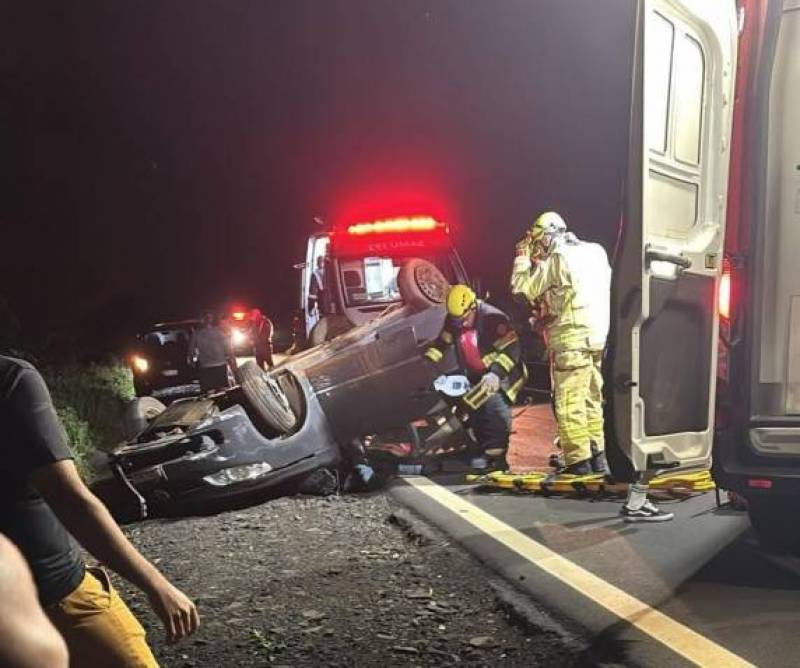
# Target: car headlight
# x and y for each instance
(140, 364)
(238, 337)
(238, 474)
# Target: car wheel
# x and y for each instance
(775, 520)
(269, 402)
(421, 284)
(139, 413)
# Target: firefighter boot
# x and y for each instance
(598, 460)
(578, 468)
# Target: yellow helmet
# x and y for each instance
(461, 299)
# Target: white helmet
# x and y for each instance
(545, 229)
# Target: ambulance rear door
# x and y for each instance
(660, 367)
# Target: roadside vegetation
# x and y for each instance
(89, 401)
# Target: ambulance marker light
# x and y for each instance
(724, 306)
(759, 483)
(239, 315)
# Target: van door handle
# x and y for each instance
(661, 256)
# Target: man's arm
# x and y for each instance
(43, 456)
(27, 638)
(435, 351)
(508, 352)
(532, 279)
(86, 518)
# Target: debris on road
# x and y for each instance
(331, 582)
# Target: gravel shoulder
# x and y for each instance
(342, 581)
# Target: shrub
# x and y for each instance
(89, 402)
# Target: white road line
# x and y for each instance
(679, 638)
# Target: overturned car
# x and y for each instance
(284, 425)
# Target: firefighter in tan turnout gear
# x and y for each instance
(489, 354)
(571, 279)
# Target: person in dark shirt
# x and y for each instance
(211, 350)
(317, 287)
(43, 503)
(261, 330)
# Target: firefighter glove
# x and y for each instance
(491, 382)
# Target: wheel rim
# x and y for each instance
(270, 386)
(431, 283)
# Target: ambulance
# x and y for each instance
(704, 353)
(358, 264)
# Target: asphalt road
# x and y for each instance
(698, 590)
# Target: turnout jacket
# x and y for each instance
(497, 344)
(574, 284)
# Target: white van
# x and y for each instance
(704, 352)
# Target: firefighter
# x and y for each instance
(570, 280)
(573, 280)
(488, 352)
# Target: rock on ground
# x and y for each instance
(329, 582)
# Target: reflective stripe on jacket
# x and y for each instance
(499, 347)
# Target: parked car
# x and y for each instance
(159, 360)
(283, 425)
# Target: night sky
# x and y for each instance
(157, 158)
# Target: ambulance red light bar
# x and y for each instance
(404, 236)
(397, 226)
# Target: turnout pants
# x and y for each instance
(491, 424)
(578, 399)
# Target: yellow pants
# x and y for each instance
(99, 629)
(578, 394)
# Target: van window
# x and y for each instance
(688, 99)
(674, 108)
(660, 36)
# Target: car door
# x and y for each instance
(660, 363)
(316, 247)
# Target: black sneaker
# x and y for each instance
(649, 512)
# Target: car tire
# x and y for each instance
(269, 403)
(775, 521)
(421, 284)
(139, 413)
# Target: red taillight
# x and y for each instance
(759, 483)
(395, 226)
(724, 303)
(239, 315)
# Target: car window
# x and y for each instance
(373, 280)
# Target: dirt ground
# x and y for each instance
(341, 581)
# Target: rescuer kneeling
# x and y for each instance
(489, 354)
